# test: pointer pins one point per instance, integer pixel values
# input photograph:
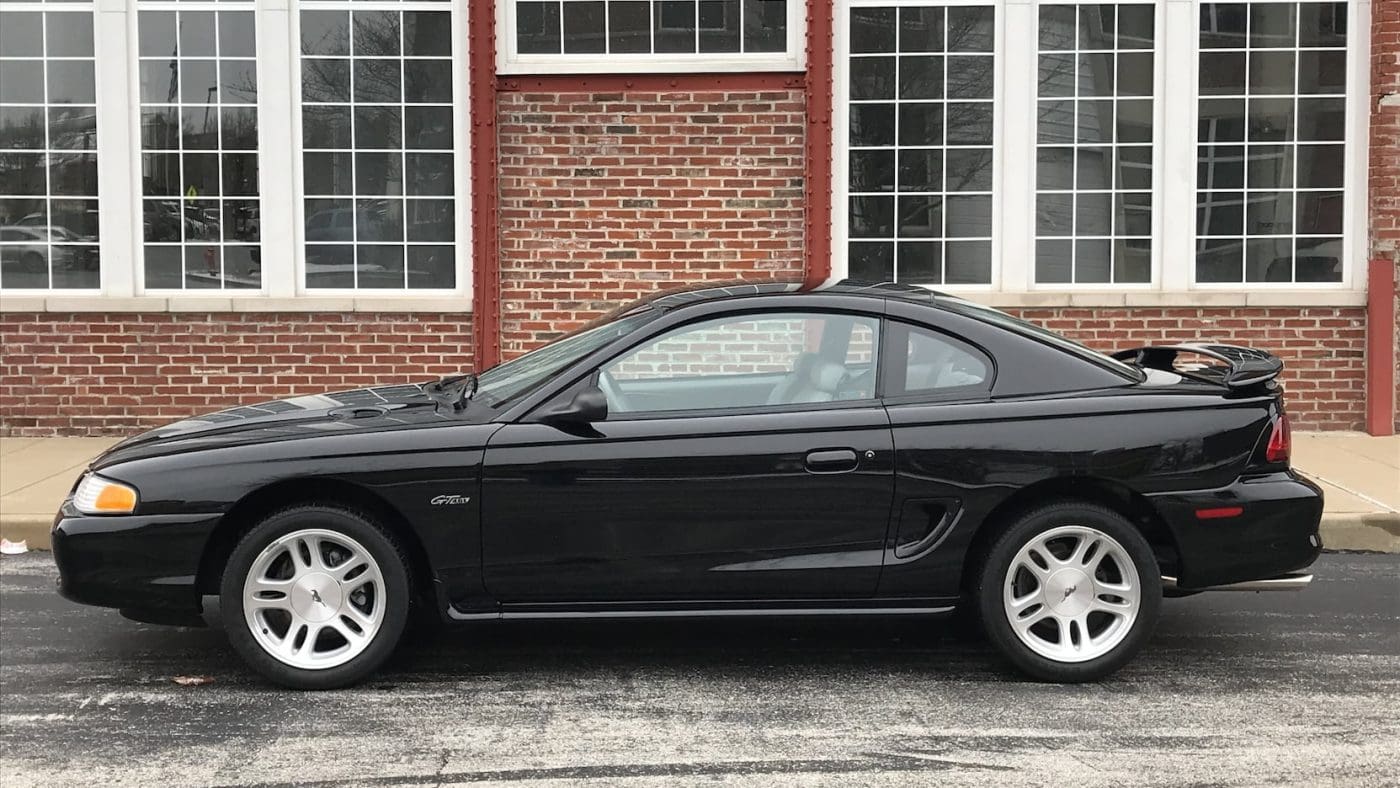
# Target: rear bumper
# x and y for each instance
(142, 563)
(1274, 534)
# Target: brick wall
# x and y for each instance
(607, 196)
(115, 374)
(1385, 150)
(1323, 348)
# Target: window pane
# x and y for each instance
(937, 363)
(584, 29)
(379, 168)
(1285, 64)
(873, 78)
(1089, 230)
(765, 26)
(629, 26)
(759, 361)
(676, 23)
(200, 157)
(872, 171)
(934, 147)
(48, 135)
(537, 28)
(427, 33)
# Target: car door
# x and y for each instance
(743, 457)
(937, 389)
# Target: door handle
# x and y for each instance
(831, 461)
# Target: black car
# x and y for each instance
(759, 449)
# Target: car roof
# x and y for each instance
(724, 291)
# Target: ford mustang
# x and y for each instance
(756, 449)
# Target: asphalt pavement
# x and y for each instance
(1234, 689)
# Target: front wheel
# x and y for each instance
(316, 597)
(1070, 592)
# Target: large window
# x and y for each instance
(677, 35)
(378, 169)
(48, 148)
(1093, 214)
(920, 133)
(248, 149)
(1099, 147)
(199, 146)
(1272, 131)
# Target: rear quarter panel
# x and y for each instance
(981, 453)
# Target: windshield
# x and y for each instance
(507, 381)
(1000, 318)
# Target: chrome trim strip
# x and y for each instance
(700, 613)
(1290, 582)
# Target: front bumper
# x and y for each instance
(133, 562)
(1274, 534)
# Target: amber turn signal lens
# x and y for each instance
(115, 498)
(96, 495)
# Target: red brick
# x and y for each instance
(112, 374)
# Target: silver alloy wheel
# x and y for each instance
(1072, 594)
(314, 599)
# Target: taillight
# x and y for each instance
(1280, 441)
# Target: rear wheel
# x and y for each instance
(1070, 592)
(316, 597)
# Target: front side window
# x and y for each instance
(1272, 150)
(48, 148)
(704, 33)
(747, 362)
(200, 217)
(920, 88)
(378, 164)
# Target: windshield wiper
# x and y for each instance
(464, 385)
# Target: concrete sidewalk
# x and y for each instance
(1360, 474)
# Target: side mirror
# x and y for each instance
(589, 405)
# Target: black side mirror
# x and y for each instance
(589, 405)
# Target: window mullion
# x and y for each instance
(1175, 220)
(1355, 266)
(1016, 229)
(277, 148)
(118, 170)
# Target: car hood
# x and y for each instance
(358, 410)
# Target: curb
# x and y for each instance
(1375, 531)
(32, 528)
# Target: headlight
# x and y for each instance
(96, 495)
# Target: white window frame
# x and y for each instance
(1174, 188)
(461, 141)
(509, 61)
(1355, 195)
(136, 149)
(103, 147)
(840, 131)
(1159, 161)
(279, 163)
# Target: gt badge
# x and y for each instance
(450, 500)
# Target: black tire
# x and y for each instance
(387, 553)
(33, 263)
(988, 592)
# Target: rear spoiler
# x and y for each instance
(1245, 366)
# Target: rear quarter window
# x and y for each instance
(928, 362)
